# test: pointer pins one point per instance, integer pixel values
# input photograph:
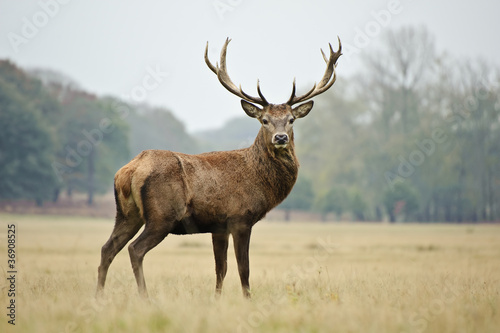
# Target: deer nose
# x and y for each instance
(281, 139)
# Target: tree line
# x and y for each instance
(415, 136)
(54, 136)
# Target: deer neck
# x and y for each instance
(277, 168)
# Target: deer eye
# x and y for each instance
(291, 120)
(265, 122)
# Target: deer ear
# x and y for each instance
(302, 110)
(250, 109)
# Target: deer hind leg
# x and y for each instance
(123, 231)
(241, 240)
(147, 240)
(220, 242)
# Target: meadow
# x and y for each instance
(305, 277)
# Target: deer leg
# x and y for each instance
(123, 231)
(241, 240)
(147, 240)
(220, 242)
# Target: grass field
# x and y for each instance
(304, 277)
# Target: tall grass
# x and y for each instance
(304, 278)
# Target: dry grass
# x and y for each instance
(304, 278)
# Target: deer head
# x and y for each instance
(276, 119)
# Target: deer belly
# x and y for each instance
(193, 225)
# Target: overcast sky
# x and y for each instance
(153, 50)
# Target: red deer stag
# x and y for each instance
(219, 192)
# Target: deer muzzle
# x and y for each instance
(280, 140)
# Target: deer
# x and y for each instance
(222, 193)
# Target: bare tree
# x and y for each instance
(394, 72)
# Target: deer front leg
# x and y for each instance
(241, 238)
(220, 243)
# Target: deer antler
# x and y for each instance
(225, 80)
(325, 83)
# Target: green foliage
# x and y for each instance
(336, 200)
(401, 200)
(95, 143)
(157, 128)
(301, 197)
(239, 132)
(358, 206)
(415, 131)
(26, 138)
(56, 137)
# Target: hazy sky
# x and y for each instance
(153, 50)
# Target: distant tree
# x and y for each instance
(473, 100)
(401, 199)
(26, 144)
(358, 205)
(236, 133)
(95, 144)
(334, 201)
(56, 136)
(157, 128)
(394, 74)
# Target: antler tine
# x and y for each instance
(225, 80)
(323, 53)
(260, 92)
(292, 96)
(292, 100)
(326, 81)
(207, 61)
